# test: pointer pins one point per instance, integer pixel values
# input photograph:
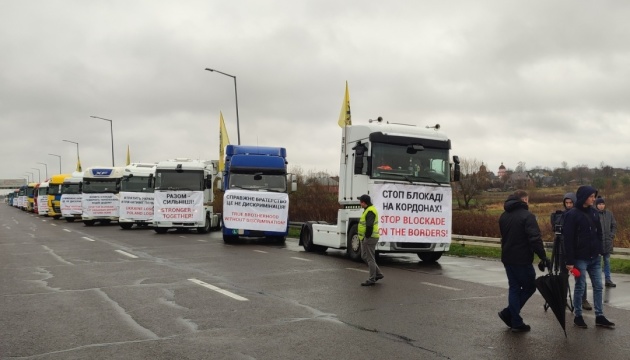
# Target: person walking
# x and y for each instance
(583, 245)
(609, 229)
(368, 236)
(557, 220)
(520, 239)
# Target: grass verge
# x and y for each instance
(621, 266)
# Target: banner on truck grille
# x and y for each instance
(100, 205)
(42, 204)
(179, 206)
(136, 206)
(70, 205)
(413, 213)
(254, 210)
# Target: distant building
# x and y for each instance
(501, 172)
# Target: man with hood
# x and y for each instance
(557, 220)
(520, 239)
(609, 229)
(583, 247)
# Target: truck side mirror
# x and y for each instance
(456, 170)
(150, 181)
(209, 182)
(359, 152)
(293, 180)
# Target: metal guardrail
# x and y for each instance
(619, 253)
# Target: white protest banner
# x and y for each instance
(263, 211)
(70, 205)
(42, 204)
(179, 206)
(136, 205)
(100, 205)
(413, 213)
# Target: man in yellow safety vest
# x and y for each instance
(368, 236)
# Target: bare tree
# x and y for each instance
(472, 183)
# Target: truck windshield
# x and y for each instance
(136, 184)
(71, 188)
(42, 191)
(183, 180)
(277, 183)
(29, 192)
(54, 190)
(96, 186)
(396, 162)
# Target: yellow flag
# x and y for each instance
(344, 116)
(128, 156)
(79, 169)
(224, 140)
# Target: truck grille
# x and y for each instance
(409, 245)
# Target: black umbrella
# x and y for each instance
(554, 289)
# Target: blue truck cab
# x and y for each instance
(256, 198)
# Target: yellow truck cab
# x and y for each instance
(54, 195)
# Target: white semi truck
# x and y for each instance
(70, 200)
(184, 196)
(136, 196)
(406, 171)
(99, 197)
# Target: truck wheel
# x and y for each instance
(56, 217)
(430, 257)
(89, 222)
(279, 239)
(206, 226)
(70, 219)
(353, 249)
(160, 230)
(126, 226)
(306, 238)
(230, 239)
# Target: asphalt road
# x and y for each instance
(68, 291)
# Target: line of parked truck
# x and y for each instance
(404, 168)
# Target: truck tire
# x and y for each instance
(56, 217)
(230, 239)
(279, 239)
(89, 222)
(206, 226)
(430, 257)
(306, 238)
(126, 226)
(70, 219)
(353, 249)
(160, 230)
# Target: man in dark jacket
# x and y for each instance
(609, 229)
(557, 220)
(582, 233)
(520, 239)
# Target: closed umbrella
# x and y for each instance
(554, 289)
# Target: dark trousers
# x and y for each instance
(522, 285)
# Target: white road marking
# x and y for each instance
(87, 238)
(68, 230)
(297, 258)
(440, 286)
(359, 270)
(53, 224)
(127, 254)
(182, 236)
(202, 240)
(219, 290)
(260, 251)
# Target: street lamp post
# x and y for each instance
(46, 165)
(238, 128)
(59, 156)
(111, 128)
(39, 174)
(78, 158)
(32, 177)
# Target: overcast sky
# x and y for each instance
(539, 81)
